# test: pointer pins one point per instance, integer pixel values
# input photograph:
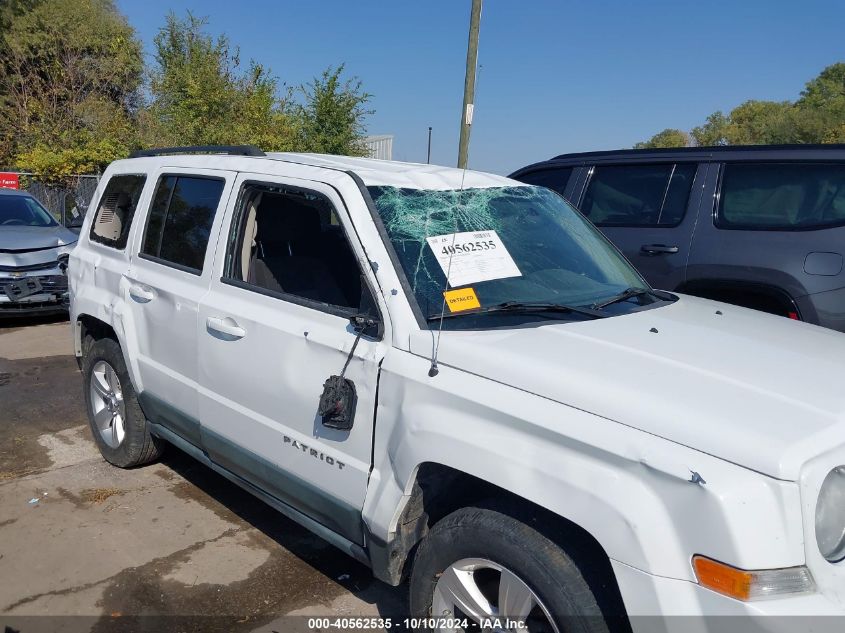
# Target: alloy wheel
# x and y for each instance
(107, 406)
(491, 597)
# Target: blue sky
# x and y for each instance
(556, 76)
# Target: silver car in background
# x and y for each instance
(34, 250)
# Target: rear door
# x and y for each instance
(274, 326)
(649, 212)
(777, 224)
(165, 283)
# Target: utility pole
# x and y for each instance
(469, 83)
(428, 158)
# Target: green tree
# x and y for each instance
(669, 137)
(820, 111)
(818, 116)
(750, 123)
(330, 118)
(761, 122)
(827, 91)
(70, 74)
(713, 132)
(201, 95)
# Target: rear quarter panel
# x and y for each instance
(772, 258)
(97, 273)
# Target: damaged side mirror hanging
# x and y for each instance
(337, 402)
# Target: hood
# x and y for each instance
(754, 389)
(29, 238)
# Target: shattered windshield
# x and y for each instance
(501, 245)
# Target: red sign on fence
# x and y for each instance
(9, 181)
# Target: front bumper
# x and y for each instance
(657, 604)
(44, 291)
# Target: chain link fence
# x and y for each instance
(68, 202)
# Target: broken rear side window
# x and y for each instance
(116, 209)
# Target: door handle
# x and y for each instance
(658, 249)
(227, 326)
(141, 294)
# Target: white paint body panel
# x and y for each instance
(601, 422)
(262, 388)
(752, 388)
(165, 326)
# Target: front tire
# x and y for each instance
(117, 423)
(481, 563)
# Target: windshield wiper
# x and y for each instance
(522, 307)
(624, 296)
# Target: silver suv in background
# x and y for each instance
(758, 226)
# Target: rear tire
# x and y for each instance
(117, 423)
(499, 565)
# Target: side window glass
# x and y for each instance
(291, 243)
(180, 220)
(116, 209)
(638, 195)
(677, 194)
(781, 195)
(554, 179)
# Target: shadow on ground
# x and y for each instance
(303, 574)
(14, 322)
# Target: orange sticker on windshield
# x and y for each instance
(462, 299)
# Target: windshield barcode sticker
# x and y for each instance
(475, 256)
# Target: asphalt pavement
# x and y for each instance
(170, 546)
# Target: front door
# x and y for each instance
(165, 282)
(273, 327)
(649, 212)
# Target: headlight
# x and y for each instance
(63, 261)
(830, 516)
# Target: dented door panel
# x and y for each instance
(263, 360)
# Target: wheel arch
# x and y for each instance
(87, 324)
(756, 295)
(436, 490)
(90, 325)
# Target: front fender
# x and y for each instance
(630, 490)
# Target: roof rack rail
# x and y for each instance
(231, 150)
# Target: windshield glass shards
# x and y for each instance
(504, 245)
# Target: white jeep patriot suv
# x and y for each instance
(455, 379)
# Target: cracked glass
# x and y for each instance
(560, 256)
